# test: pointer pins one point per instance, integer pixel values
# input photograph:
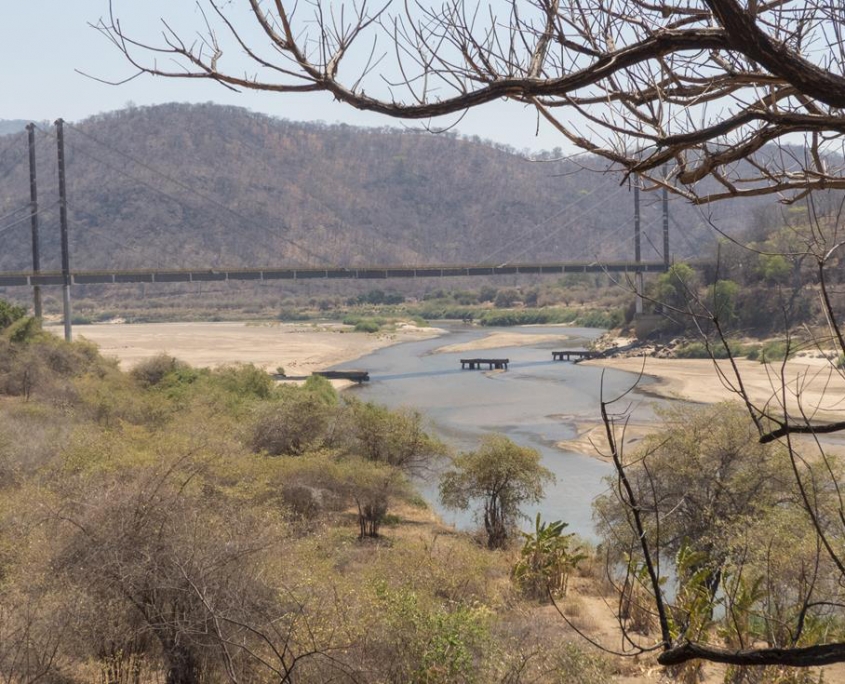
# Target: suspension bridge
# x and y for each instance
(490, 264)
(78, 277)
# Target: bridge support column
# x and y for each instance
(33, 213)
(60, 138)
(665, 204)
(637, 249)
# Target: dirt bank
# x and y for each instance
(296, 347)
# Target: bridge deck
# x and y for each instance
(475, 364)
(577, 354)
(358, 376)
(86, 277)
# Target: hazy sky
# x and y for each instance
(43, 42)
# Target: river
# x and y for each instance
(536, 402)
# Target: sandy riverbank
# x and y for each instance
(498, 339)
(591, 440)
(296, 347)
(821, 388)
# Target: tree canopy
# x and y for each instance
(503, 476)
(703, 480)
(674, 91)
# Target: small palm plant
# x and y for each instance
(546, 561)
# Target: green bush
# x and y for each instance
(506, 298)
(364, 323)
(293, 315)
(367, 325)
(378, 297)
(434, 644)
(322, 389)
(587, 319)
(466, 298)
(244, 381)
(600, 319)
(521, 317)
(9, 313)
(69, 359)
(23, 330)
(487, 293)
(396, 438)
(774, 350)
(441, 311)
(32, 362)
(698, 350)
(547, 559)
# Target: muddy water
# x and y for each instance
(537, 402)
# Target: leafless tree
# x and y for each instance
(749, 94)
(31, 635)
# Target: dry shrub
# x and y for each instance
(307, 502)
(592, 565)
(115, 399)
(150, 372)
(43, 367)
(30, 436)
(290, 427)
(583, 621)
(572, 606)
(532, 648)
(303, 502)
(636, 608)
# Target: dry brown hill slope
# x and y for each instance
(203, 185)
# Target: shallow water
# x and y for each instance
(537, 402)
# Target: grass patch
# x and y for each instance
(434, 311)
(588, 319)
(366, 324)
(698, 350)
(600, 319)
(775, 350)
(293, 315)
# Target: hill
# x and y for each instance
(205, 185)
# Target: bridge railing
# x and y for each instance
(86, 277)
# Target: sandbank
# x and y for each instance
(591, 439)
(498, 339)
(820, 385)
(296, 347)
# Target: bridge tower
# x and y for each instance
(637, 248)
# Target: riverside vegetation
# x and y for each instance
(207, 525)
(589, 300)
